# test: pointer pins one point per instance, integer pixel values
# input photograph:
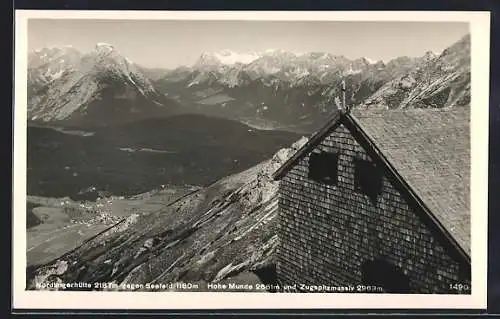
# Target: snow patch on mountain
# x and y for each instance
(370, 61)
(102, 47)
(225, 57)
(230, 57)
(351, 71)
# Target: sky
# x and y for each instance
(169, 44)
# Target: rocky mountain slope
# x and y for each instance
(441, 82)
(101, 87)
(222, 232)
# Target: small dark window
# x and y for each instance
(367, 178)
(323, 167)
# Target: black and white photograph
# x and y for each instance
(249, 156)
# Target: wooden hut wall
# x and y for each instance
(327, 232)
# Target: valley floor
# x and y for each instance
(64, 224)
(222, 234)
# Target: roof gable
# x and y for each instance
(427, 151)
(317, 137)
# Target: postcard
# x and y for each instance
(256, 160)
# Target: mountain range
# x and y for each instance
(268, 90)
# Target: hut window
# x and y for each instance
(367, 178)
(323, 167)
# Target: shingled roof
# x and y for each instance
(428, 149)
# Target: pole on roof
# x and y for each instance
(344, 107)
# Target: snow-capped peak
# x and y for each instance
(226, 57)
(102, 47)
(230, 57)
(106, 56)
(370, 61)
(103, 44)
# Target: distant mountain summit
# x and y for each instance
(236, 69)
(99, 87)
(224, 57)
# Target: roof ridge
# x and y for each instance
(331, 125)
(311, 143)
(407, 185)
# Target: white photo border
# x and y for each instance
(479, 22)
